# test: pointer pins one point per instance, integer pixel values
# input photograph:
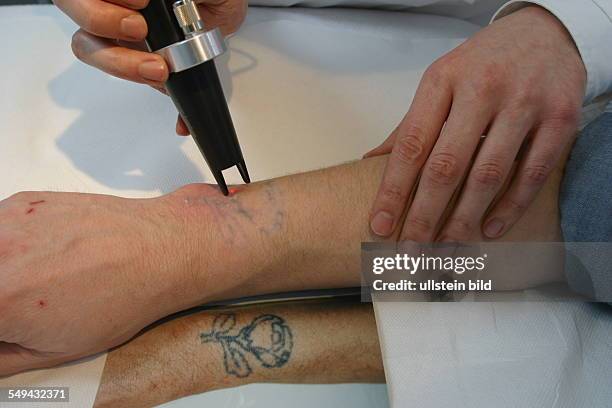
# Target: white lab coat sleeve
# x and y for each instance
(590, 24)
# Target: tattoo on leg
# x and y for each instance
(267, 339)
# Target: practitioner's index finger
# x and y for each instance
(105, 19)
(414, 140)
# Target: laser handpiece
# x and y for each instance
(177, 33)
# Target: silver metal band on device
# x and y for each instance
(194, 50)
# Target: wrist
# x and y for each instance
(556, 34)
(542, 16)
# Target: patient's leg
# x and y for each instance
(328, 341)
(304, 231)
(316, 222)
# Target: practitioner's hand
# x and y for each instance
(520, 81)
(112, 33)
(81, 273)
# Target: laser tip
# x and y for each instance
(243, 172)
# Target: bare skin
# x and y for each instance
(520, 81)
(317, 342)
(105, 267)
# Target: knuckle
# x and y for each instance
(443, 169)
(537, 173)
(94, 21)
(113, 66)
(410, 145)
(518, 112)
(436, 72)
(525, 97)
(393, 193)
(565, 115)
(485, 84)
(483, 89)
(236, 14)
(491, 73)
(489, 174)
(88, 22)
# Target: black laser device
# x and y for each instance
(177, 33)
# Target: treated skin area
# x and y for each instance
(232, 215)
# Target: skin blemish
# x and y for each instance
(37, 202)
(30, 211)
(42, 303)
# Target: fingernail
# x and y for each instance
(153, 71)
(494, 227)
(382, 224)
(134, 26)
(181, 130)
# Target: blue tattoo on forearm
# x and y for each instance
(267, 339)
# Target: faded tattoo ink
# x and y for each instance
(265, 212)
(267, 339)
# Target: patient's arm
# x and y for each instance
(307, 342)
(66, 258)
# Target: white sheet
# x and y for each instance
(502, 355)
(307, 89)
(83, 379)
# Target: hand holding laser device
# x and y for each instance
(177, 33)
(183, 63)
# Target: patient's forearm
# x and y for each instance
(311, 342)
(304, 231)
